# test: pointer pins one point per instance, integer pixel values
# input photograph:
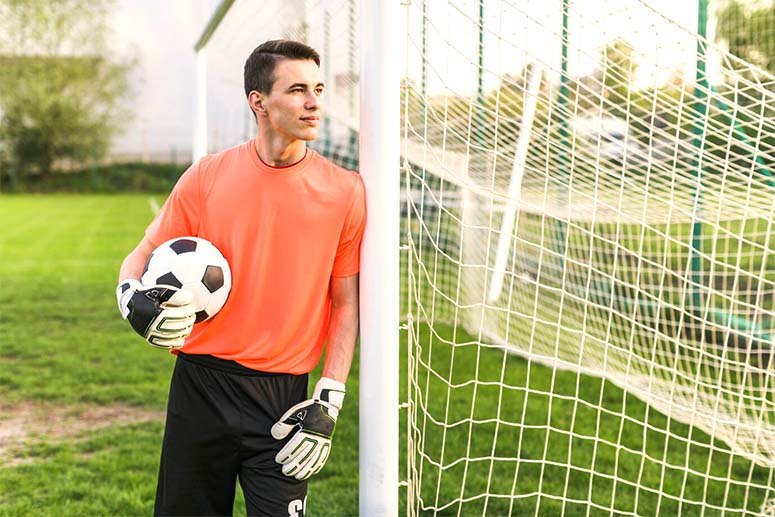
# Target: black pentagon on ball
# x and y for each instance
(201, 316)
(169, 279)
(183, 246)
(213, 278)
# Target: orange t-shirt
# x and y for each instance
(285, 231)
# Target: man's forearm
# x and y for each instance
(340, 347)
(133, 264)
(132, 267)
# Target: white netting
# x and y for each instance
(639, 253)
(587, 206)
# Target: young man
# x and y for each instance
(290, 223)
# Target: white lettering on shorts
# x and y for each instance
(297, 507)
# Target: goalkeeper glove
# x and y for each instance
(163, 315)
(306, 452)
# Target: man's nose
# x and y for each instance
(312, 102)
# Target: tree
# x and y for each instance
(748, 33)
(60, 88)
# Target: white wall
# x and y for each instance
(161, 34)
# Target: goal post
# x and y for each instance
(379, 281)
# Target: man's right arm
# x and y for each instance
(133, 264)
(162, 314)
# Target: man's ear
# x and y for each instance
(256, 102)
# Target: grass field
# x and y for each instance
(62, 344)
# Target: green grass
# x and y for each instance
(110, 473)
(62, 342)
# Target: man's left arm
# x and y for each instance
(342, 328)
(314, 420)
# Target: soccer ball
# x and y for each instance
(195, 265)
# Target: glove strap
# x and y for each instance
(124, 291)
(331, 391)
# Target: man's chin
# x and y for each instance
(308, 135)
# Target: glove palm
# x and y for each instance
(314, 420)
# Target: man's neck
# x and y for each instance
(279, 152)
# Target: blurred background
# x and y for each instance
(89, 84)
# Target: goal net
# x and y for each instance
(587, 269)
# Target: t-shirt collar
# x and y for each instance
(284, 169)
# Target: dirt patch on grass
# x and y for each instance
(26, 422)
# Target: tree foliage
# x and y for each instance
(749, 33)
(61, 90)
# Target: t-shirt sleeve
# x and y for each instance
(180, 214)
(348, 252)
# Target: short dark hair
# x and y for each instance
(260, 65)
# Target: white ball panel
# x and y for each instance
(200, 292)
(189, 268)
(160, 263)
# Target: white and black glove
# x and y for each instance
(163, 315)
(313, 420)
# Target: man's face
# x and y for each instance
(293, 105)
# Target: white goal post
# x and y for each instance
(380, 162)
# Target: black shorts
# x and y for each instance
(219, 417)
